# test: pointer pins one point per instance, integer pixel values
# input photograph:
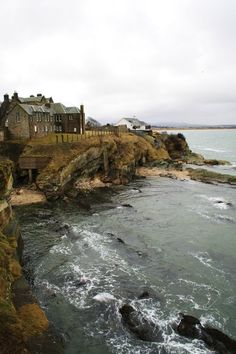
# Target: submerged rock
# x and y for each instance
(191, 327)
(145, 295)
(120, 240)
(140, 326)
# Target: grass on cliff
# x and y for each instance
(122, 149)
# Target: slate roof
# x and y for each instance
(135, 121)
(30, 109)
(58, 108)
(72, 110)
(30, 99)
(55, 108)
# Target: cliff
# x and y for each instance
(22, 322)
(105, 160)
(108, 159)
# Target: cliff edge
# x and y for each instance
(23, 324)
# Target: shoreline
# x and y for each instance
(26, 196)
(167, 129)
(159, 172)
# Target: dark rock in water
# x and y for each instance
(63, 228)
(110, 234)
(191, 327)
(139, 253)
(80, 282)
(219, 341)
(120, 240)
(84, 204)
(150, 294)
(127, 205)
(140, 326)
(222, 202)
(145, 295)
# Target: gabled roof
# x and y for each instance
(72, 110)
(30, 109)
(30, 99)
(37, 98)
(53, 108)
(58, 108)
(135, 121)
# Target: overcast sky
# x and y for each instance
(161, 60)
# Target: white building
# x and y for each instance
(134, 124)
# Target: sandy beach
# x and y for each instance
(158, 172)
(24, 196)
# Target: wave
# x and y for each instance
(218, 202)
(204, 258)
(214, 150)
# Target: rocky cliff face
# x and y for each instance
(22, 321)
(105, 159)
(110, 159)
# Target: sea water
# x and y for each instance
(179, 244)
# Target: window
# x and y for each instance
(17, 117)
(75, 130)
(59, 118)
(70, 117)
(35, 128)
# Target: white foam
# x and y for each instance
(213, 150)
(104, 297)
(204, 258)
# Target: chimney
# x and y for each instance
(82, 109)
(82, 117)
(39, 95)
(15, 96)
(31, 95)
(6, 98)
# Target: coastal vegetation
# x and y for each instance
(22, 321)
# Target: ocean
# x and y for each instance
(179, 244)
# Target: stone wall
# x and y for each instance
(18, 123)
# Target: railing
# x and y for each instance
(72, 137)
(58, 138)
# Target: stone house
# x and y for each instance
(37, 116)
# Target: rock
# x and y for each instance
(213, 162)
(84, 205)
(110, 234)
(145, 295)
(63, 228)
(120, 240)
(216, 340)
(140, 326)
(127, 205)
(222, 202)
(80, 282)
(19, 192)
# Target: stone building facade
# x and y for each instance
(37, 116)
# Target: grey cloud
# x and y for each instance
(170, 60)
